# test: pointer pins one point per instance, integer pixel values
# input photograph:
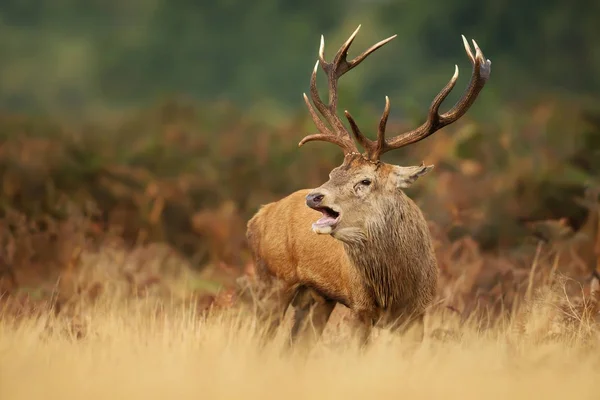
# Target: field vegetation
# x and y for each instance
(134, 147)
(121, 253)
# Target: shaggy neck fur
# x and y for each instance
(395, 256)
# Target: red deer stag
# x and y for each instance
(370, 247)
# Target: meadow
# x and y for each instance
(138, 138)
(122, 242)
(150, 349)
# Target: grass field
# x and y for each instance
(144, 350)
(132, 230)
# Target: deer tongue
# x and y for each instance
(326, 219)
(326, 223)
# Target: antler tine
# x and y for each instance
(313, 88)
(362, 139)
(381, 131)
(373, 149)
(336, 133)
(358, 59)
(435, 121)
(325, 135)
(340, 62)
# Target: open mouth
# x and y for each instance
(327, 222)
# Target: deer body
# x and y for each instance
(358, 239)
(388, 276)
(293, 253)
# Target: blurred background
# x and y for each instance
(161, 126)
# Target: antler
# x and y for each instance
(435, 121)
(336, 133)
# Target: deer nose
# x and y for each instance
(314, 199)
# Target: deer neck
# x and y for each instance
(390, 250)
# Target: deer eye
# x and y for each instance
(365, 182)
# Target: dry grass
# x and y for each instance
(146, 349)
(171, 195)
(132, 323)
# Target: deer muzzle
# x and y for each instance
(330, 214)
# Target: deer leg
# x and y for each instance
(366, 321)
(302, 304)
(412, 329)
(270, 297)
(272, 305)
(318, 310)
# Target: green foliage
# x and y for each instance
(80, 56)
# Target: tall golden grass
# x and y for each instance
(148, 348)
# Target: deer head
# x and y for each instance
(364, 185)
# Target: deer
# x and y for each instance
(358, 239)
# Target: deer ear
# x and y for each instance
(405, 176)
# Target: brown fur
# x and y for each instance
(372, 249)
(378, 261)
